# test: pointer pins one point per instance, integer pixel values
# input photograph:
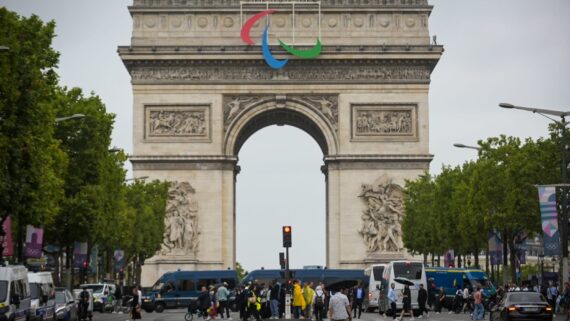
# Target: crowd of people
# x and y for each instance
(260, 301)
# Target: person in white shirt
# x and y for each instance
(339, 307)
(392, 298)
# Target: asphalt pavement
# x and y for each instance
(178, 315)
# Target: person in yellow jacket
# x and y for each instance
(308, 294)
(298, 300)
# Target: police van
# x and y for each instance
(14, 293)
(42, 294)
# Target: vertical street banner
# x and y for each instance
(79, 254)
(34, 242)
(93, 259)
(8, 245)
(449, 258)
(549, 218)
(119, 256)
(495, 248)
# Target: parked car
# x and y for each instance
(522, 306)
(65, 305)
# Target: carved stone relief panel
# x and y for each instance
(382, 217)
(384, 122)
(181, 233)
(176, 123)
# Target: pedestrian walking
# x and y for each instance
(118, 298)
(308, 294)
(213, 310)
(465, 297)
(274, 297)
(222, 296)
(265, 311)
(358, 296)
(552, 294)
(440, 300)
(393, 299)
(298, 300)
(241, 301)
(422, 300)
(253, 304)
(135, 306)
(339, 307)
(479, 311)
(319, 303)
(407, 302)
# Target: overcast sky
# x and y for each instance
(514, 51)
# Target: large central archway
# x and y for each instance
(280, 183)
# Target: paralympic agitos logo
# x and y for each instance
(267, 55)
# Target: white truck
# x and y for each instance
(42, 292)
(14, 293)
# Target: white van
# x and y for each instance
(100, 293)
(14, 293)
(412, 270)
(373, 274)
(42, 293)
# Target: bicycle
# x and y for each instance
(190, 315)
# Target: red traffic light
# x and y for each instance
(85, 264)
(287, 239)
(287, 229)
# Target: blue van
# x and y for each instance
(177, 289)
(451, 278)
(305, 275)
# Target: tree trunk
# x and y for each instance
(476, 254)
(20, 243)
(487, 259)
(425, 259)
(504, 239)
(513, 258)
(438, 260)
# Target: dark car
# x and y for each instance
(522, 306)
(65, 305)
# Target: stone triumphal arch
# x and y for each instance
(200, 92)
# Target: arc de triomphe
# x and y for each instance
(200, 92)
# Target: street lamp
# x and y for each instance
(136, 178)
(74, 116)
(562, 124)
(467, 146)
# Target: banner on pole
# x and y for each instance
(449, 258)
(93, 259)
(119, 256)
(34, 242)
(8, 245)
(495, 248)
(549, 218)
(79, 254)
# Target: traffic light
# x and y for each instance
(287, 241)
(282, 260)
(121, 274)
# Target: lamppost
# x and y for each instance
(541, 263)
(562, 124)
(74, 116)
(467, 146)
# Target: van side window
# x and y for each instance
(206, 282)
(187, 285)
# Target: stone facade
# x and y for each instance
(199, 93)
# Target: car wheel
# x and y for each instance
(148, 310)
(159, 307)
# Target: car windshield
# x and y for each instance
(408, 270)
(526, 297)
(97, 289)
(35, 289)
(482, 283)
(60, 298)
(157, 286)
(3, 290)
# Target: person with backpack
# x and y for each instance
(319, 303)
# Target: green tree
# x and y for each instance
(31, 161)
(241, 272)
(144, 220)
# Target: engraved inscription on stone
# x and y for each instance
(377, 122)
(179, 121)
